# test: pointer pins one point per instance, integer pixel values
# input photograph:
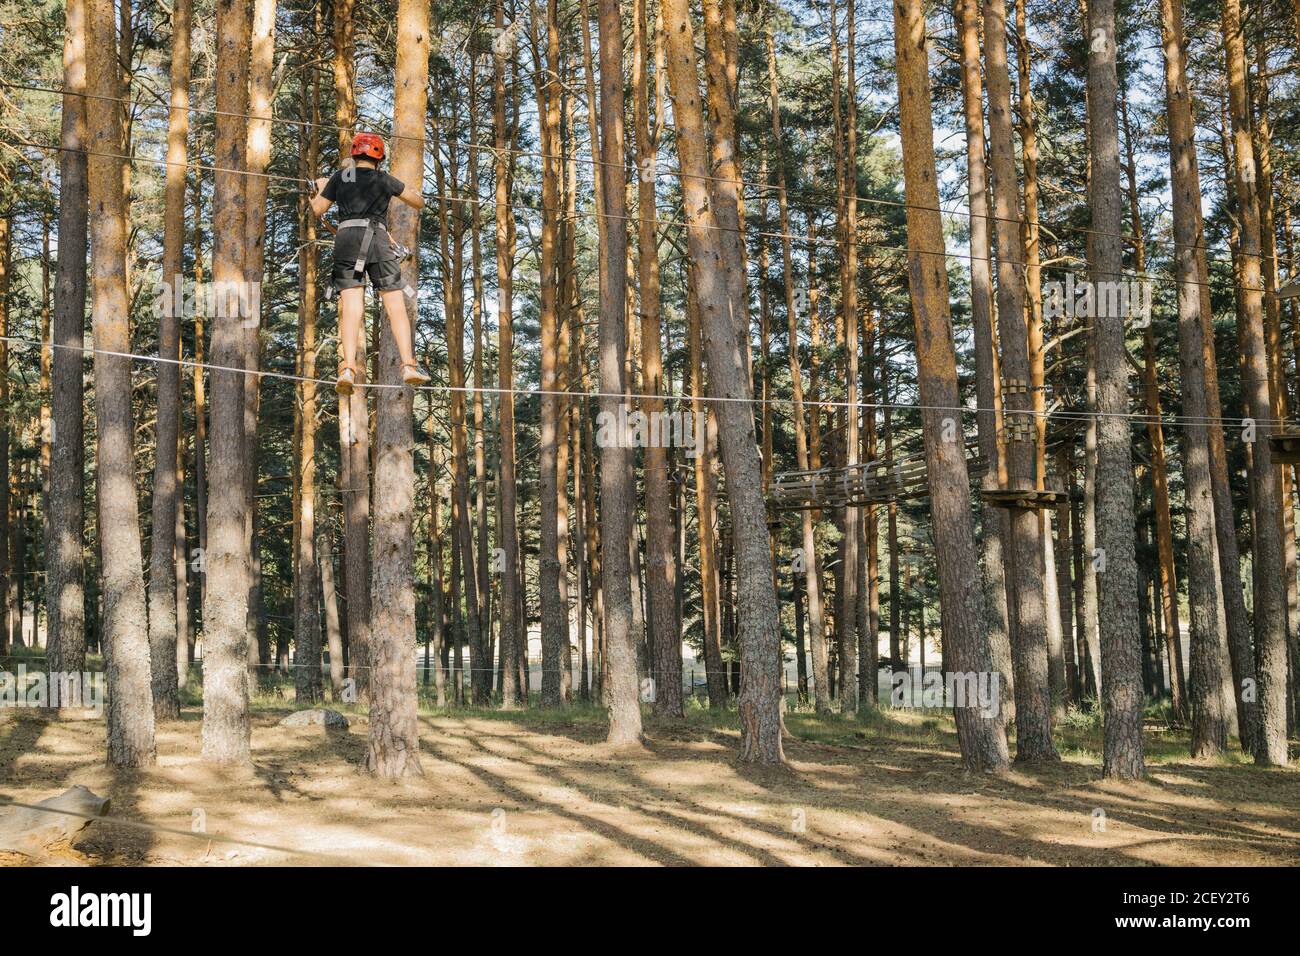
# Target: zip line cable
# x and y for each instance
(797, 199)
(1161, 279)
(1067, 414)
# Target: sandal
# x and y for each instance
(412, 374)
(347, 379)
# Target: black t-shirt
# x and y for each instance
(362, 193)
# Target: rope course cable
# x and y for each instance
(1064, 414)
(1161, 279)
(799, 199)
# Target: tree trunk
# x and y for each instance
(1029, 647)
(393, 747)
(554, 625)
(1168, 576)
(225, 607)
(661, 559)
(1121, 652)
(306, 579)
(720, 79)
(162, 554)
(981, 735)
(125, 628)
(995, 540)
(808, 552)
(354, 417)
(706, 515)
(260, 92)
(329, 599)
(616, 491)
(65, 516)
(480, 432)
(760, 637)
(1270, 617)
(512, 639)
(6, 569)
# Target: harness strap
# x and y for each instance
(366, 239)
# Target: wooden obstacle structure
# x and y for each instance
(900, 479)
(872, 482)
(1285, 448)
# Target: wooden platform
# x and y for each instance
(1285, 448)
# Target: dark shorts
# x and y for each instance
(385, 275)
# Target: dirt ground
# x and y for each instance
(539, 788)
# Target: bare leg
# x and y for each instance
(352, 308)
(395, 306)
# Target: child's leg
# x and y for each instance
(352, 307)
(395, 306)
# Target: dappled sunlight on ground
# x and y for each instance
(532, 788)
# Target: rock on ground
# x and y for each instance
(30, 831)
(317, 717)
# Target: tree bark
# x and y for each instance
(982, 736)
(66, 514)
(225, 606)
(125, 629)
(760, 637)
(616, 492)
(995, 542)
(1029, 647)
(306, 577)
(354, 417)
(816, 623)
(393, 746)
(1121, 652)
(512, 639)
(1270, 617)
(162, 554)
(661, 559)
(554, 624)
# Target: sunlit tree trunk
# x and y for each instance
(661, 559)
(1209, 734)
(1168, 576)
(760, 692)
(982, 736)
(225, 607)
(258, 156)
(162, 552)
(1121, 652)
(554, 625)
(354, 416)
(393, 747)
(1270, 617)
(995, 541)
(512, 638)
(306, 577)
(1029, 644)
(125, 629)
(65, 518)
(616, 492)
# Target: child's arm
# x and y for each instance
(319, 204)
(411, 196)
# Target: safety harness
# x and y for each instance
(370, 226)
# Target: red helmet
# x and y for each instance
(368, 144)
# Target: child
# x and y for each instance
(362, 247)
